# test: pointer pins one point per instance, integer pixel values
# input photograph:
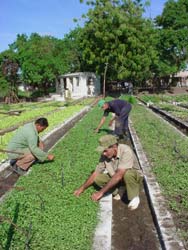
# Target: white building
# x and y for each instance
(182, 78)
(79, 84)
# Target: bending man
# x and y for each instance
(26, 147)
(121, 109)
(116, 164)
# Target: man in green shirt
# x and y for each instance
(26, 147)
(116, 164)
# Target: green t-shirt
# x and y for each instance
(26, 140)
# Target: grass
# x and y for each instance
(167, 152)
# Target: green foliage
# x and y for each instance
(129, 98)
(72, 51)
(23, 93)
(183, 98)
(4, 86)
(166, 103)
(6, 107)
(51, 110)
(9, 74)
(165, 149)
(41, 59)
(151, 98)
(46, 213)
(115, 33)
(173, 44)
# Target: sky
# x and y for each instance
(47, 17)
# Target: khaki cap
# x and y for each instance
(105, 142)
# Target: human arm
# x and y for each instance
(113, 182)
(112, 120)
(50, 157)
(86, 184)
(41, 145)
(102, 121)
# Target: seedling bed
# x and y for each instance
(44, 214)
(180, 124)
(54, 219)
(54, 119)
(166, 150)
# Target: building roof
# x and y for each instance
(78, 74)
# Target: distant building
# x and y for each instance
(79, 84)
(182, 78)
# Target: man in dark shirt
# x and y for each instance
(121, 110)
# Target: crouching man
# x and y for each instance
(25, 147)
(116, 164)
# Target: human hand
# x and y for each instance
(97, 196)
(78, 192)
(96, 130)
(50, 157)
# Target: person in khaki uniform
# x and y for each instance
(116, 164)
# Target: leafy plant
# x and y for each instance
(53, 217)
(164, 147)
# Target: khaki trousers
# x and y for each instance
(25, 161)
(132, 180)
(102, 179)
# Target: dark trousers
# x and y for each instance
(121, 125)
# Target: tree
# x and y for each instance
(34, 54)
(9, 77)
(41, 59)
(116, 33)
(73, 51)
(173, 32)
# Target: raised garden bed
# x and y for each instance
(44, 214)
(54, 117)
(166, 150)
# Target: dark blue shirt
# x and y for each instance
(116, 106)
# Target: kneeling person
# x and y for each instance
(26, 147)
(116, 164)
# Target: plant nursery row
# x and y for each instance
(43, 213)
(54, 118)
(166, 150)
(167, 104)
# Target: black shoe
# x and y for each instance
(120, 137)
(12, 162)
(18, 170)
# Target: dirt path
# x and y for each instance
(133, 230)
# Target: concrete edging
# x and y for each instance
(102, 237)
(163, 219)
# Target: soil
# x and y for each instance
(133, 230)
(8, 183)
(177, 91)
